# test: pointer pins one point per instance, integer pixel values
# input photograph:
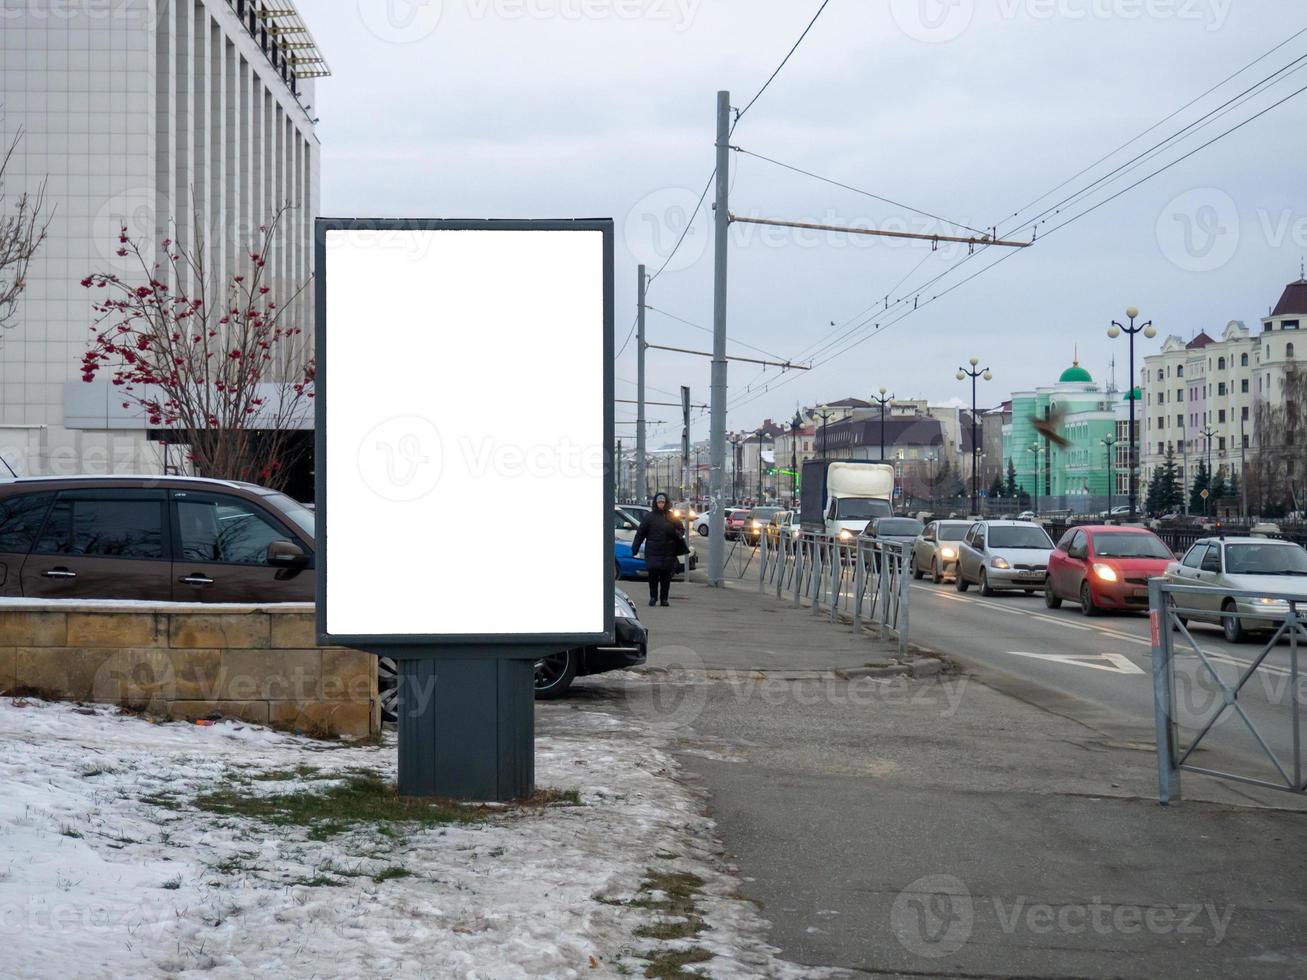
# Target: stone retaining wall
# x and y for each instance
(190, 661)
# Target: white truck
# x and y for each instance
(840, 497)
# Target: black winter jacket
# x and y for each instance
(660, 533)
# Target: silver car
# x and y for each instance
(935, 552)
(1003, 555)
(1241, 565)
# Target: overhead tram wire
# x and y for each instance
(741, 343)
(824, 343)
(882, 327)
(1161, 122)
(784, 61)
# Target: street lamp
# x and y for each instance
(1037, 451)
(882, 401)
(735, 467)
(1110, 442)
(825, 415)
(974, 373)
(1114, 331)
(796, 427)
(1208, 432)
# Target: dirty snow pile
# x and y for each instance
(112, 863)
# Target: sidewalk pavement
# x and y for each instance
(937, 827)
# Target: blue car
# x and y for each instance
(625, 564)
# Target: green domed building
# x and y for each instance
(1073, 477)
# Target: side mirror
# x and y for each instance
(287, 554)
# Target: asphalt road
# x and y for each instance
(1098, 670)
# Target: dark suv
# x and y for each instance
(181, 539)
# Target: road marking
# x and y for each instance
(1115, 662)
(1180, 647)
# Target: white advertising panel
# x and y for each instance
(464, 431)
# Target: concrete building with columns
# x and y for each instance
(177, 119)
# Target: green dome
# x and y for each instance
(1075, 374)
(1135, 395)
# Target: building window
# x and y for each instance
(1179, 394)
(1243, 413)
(1288, 351)
(1220, 389)
(1245, 440)
(1161, 376)
(1220, 364)
(1179, 370)
(1220, 444)
(1243, 386)
(1243, 360)
(1289, 325)
(1220, 416)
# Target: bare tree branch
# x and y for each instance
(22, 230)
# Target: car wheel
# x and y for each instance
(1233, 629)
(554, 675)
(960, 580)
(1087, 606)
(936, 575)
(917, 573)
(1179, 621)
(984, 584)
(1051, 598)
(388, 688)
(703, 530)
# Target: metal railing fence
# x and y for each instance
(1170, 607)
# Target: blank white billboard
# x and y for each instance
(464, 486)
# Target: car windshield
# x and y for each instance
(762, 513)
(1129, 546)
(861, 509)
(899, 527)
(1018, 537)
(291, 508)
(953, 532)
(1265, 559)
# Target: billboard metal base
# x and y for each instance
(467, 728)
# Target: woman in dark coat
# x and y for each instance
(662, 537)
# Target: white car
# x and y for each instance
(1003, 555)
(1240, 565)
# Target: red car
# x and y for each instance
(736, 517)
(1105, 567)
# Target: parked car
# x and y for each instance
(163, 538)
(1027, 515)
(554, 674)
(1105, 567)
(935, 552)
(1122, 510)
(1003, 555)
(757, 519)
(1240, 564)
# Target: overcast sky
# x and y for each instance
(966, 110)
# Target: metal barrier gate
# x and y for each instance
(862, 579)
(1168, 620)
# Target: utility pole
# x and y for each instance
(717, 421)
(686, 492)
(1243, 469)
(641, 476)
(882, 400)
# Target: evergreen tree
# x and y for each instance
(1219, 488)
(997, 489)
(1233, 490)
(1172, 482)
(1153, 497)
(1013, 489)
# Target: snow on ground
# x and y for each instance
(108, 867)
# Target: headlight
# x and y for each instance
(948, 553)
(846, 535)
(1001, 563)
(1276, 603)
(694, 516)
(621, 610)
(676, 513)
(1106, 572)
(756, 525)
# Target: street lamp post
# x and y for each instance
(1114, 331)
(974, 373)
(796, 428)
(1037, 451)
(735, 468)
(882, 401)
(1243, 470)
(825, 415)
(1208, 432)
(1110, 442)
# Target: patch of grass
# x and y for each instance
(319, 881)
(286, 775)
(672, 964)
(391, 873)
(358, 800)
(90, 772)
(172, 884)
(552, 797)
(679, 889)
(68, 830)
(233, 863)
(167, 801)
(685, 928)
